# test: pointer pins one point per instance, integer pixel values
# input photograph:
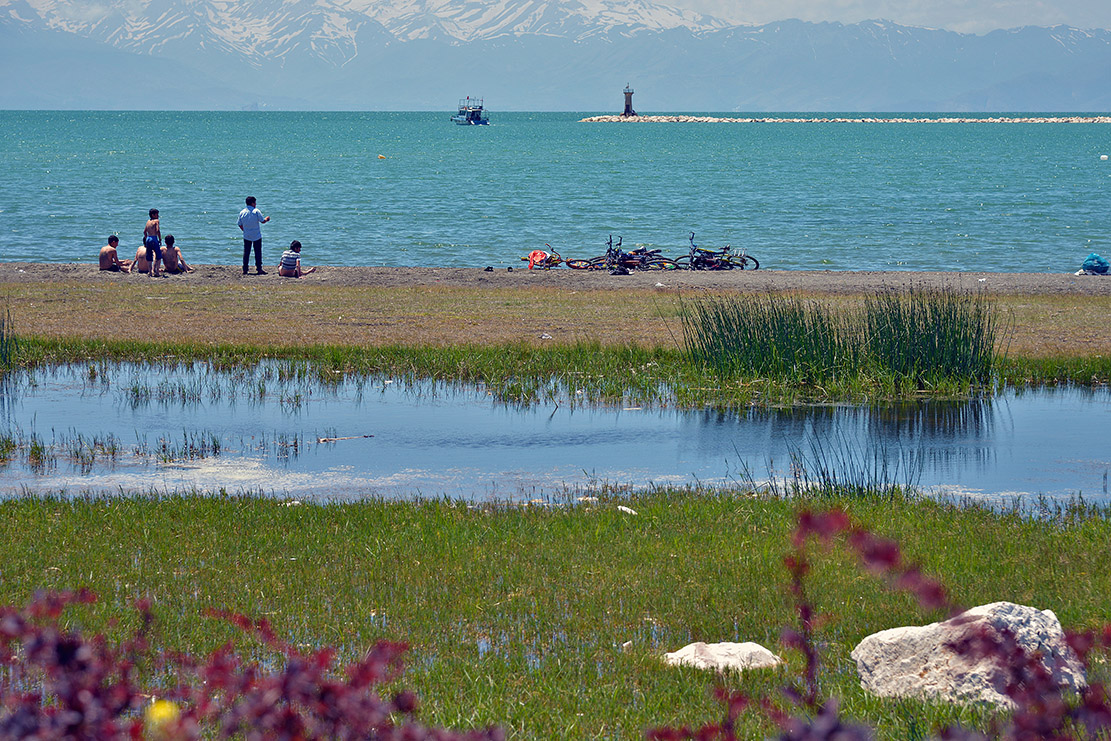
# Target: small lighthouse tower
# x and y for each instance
(628, 102)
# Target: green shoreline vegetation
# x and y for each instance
(587, 372)
(550, 619)
(736, 350)
(9, 345)
(519, 616)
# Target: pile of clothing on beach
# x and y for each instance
(1094, 265)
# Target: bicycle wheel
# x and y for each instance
(661, 263)
(744, 262)
(577, 264)
(684, 262)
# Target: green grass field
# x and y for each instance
(517, 616)
(521, 616)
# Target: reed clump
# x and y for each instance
(8, 341)
(917, 338)
(922, 333)
(776, 335)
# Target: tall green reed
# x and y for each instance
(837, 467)
(918, 337)
(8, 341)
(774, 335)
(923, 334)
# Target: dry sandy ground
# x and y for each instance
(806, 281)
(1043, 314)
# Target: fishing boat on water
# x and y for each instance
(471, 113)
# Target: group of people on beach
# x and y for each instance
(149, 255)
(153, 252)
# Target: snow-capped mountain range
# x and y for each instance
(474, 20)
(523, 54)
(264, 28)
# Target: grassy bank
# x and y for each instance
(636, 346)
(8, 342)
(524, 373)
(518, 616)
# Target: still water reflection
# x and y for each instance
(124, 428)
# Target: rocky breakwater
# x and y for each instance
(928, 120)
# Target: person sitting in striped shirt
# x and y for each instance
(290, 266)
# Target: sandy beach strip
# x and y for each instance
(1044, 314)
(831, 282)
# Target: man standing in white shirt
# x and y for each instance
(250, 222)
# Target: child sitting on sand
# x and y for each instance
(109, 260)
(290, 266)
(172, 257)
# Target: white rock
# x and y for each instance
(721, 656)
(915, 661)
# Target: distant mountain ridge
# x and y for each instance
(522, 55)
(268, 28)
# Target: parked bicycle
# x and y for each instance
(543, 260)
(617, 259)
(643, 258)
(723, 259)
(606, 261)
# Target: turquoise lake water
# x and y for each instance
(969, 196)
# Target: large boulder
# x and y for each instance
(918, 661)
(721, 656)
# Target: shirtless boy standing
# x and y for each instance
(152, 240)
(109, 259)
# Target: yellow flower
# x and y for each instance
(161, 720)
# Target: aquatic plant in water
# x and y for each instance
(838, 467)
(38, 454)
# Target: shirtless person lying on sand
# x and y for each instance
(109, 260)
(173, 259)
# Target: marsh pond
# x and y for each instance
(120, 429)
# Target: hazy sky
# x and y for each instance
(969, 16)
